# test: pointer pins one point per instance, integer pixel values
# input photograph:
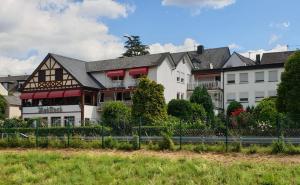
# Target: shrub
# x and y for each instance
(125, 146)
(198, 112)
(253, 149)
(246, 120)
(166, 143)
(110, 143)
(292, 149)
(234, 105)
(236, 147)
(135, 142)
(278, 146)
(200, 148)
(181, 109)
(266, 111)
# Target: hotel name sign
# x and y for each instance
(49, 110)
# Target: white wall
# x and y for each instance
(13, 111)
(251, 87)
(3, 91)
(234, 61)
(91, 113)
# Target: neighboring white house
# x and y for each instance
(3, 91)
(250, 84)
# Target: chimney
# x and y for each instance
(200, 49)
(257, 59)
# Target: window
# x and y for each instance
(259, 76)
(55, 121)
(259, 95)
(231, 78)
(243, 78)
(59, 74)
(182, 78)
(101, 99)
(42, 76)
(230, 97)
(244, 97)
(117, 78)
(273, 76)
(119, 96)
(272, 93)
(126, 96)
(69, 120)
(178, 76)
(178, 96)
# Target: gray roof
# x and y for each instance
(13, 81)
(77, 68)
(178, 56)
(276, 57)
(126, 62)
(13, 100)
(215, 56)
(246, 60)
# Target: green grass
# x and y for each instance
(37, 167)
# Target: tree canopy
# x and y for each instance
(134, 47)
(149, 102)
(200, 96)
(2, 107)
(288, 100)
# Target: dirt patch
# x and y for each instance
(217, 157)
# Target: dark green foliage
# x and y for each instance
(3, 105)
(110, 143)
(278, 146)
(253, 149)
(237, 147)
(233, 106)
(246, 120)
(125, 146)
(181, 109)
(135, 142)
(266, 111)
(116, 115)
(292, 149)
(149, 102)
(166, 143)
(288, 100)
(198, 112)
(200, 96)
(134, 47)
(200, 148)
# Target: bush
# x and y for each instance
(278, 147)
(198, 112)
(110, 143)
(253, 149)
(237, 147)
(125, 146)
(200, 148)
(234, 105)
(266, 111)
(166, 143)
(135, 142)
(292, 149)
(181, 109)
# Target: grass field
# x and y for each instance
(144, 167)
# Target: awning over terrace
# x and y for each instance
(51, 94)
(116, 73)
(138, 71)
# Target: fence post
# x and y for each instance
(36, 134)
(140, 122)
(180, 132)
(102, 135)
(226, 134)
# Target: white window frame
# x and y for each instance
(230, 97)
(259, 95)
(270, 73)
(244, 82)
(259, 80)
(230, 81)
(244, 97)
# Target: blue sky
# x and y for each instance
(248, 23)
(94, 29)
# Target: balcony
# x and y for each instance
(101, 104)
(209, 85)
(117, 84)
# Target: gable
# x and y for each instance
(233, 61)
(46, 77)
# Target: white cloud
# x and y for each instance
(234, 46)
(281, 25)
(60, 26)
(215, 4)
(252, 53)
(274, 38)
(188, 45)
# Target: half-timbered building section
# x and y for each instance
(61, 92)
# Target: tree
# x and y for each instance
(234, 105)
(266, 111)
(3, 105)
(288, 100)
(181, 109)
(149, 102)
(198, 112)
(201, 97)
(116, 115)
(134, 47)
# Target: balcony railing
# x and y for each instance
(117, 83)
(209, 85)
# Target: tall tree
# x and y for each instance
(149, 102)
(288, 100)
(3, 105)
(134, 47)
(201, 96)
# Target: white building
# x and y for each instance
(3, 91)
(250, 84)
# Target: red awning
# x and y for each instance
(56, 94)
(40, 95)
(138, 71)
(115, 73)
(72, 93)
(26, 96)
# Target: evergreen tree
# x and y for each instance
(3, 105)
(288, 100)
(134, 47)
